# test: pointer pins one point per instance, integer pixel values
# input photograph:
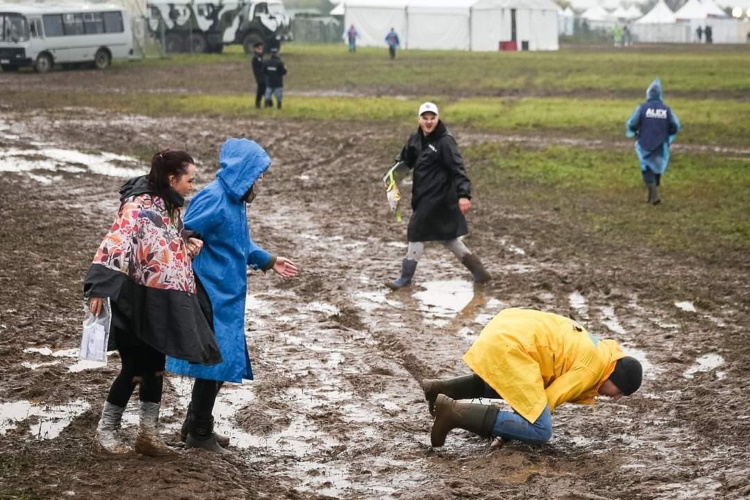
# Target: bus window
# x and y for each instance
(92, 23)
(73, 24)
(13, 28)
(53, 25)
(113, 22)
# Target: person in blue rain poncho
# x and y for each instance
(218, 215)
(655, 125)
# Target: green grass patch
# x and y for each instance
(704, 212)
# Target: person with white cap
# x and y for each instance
(441, 195)
(535, 361)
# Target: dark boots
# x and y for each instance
(269, 103)
(201, 435)
(449, 415)
(184, 430)
(473, 264)
(467, 387)
(653, 193)
(408, 267)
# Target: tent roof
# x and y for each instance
(693, 9)
(634, 12)
(712, 9)
(596, 13)
(660, 14)
(448, 4)
(581, 5)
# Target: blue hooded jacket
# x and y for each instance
(656, 126)
(218, 214)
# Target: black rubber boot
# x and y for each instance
(201, 435)
(220, 438)
(450, 415)
(408, 267)
(653, 193)
(467, 387)
(278, 105)
(473, 264)
(269, 104)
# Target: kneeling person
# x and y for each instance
(535, 361)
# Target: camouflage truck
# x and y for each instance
(200, 26)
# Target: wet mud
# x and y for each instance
(336, 409)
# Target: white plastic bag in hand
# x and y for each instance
(95, 333)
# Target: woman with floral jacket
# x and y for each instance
(143, 267)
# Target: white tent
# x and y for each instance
(660, 14)
(596, 13)
(634, 12)
(693, 9)
(566, 20)
(582, 5)
(455, 24)
(712, 9)
(620, 13)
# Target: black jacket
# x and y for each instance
(439, 180)
(258, 68)
(274, 70)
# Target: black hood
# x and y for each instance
(134, 187)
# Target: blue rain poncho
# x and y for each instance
(218, 215)
(656, 126)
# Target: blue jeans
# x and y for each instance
(511, 425)
(352, 45)
(277, 91)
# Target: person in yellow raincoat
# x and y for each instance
(535, 361)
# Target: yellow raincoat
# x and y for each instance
(534, 359)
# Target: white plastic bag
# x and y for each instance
(95, 333)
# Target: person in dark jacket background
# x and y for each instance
(260, 77)
(274, 71)
(441, 195)
(656, 126)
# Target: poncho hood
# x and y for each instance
(242, 162)
(653, 93)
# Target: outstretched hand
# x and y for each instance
(285, 268)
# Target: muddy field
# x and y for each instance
(336, 410)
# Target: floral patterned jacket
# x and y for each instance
(148, 245)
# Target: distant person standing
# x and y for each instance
(655, 126)
(699, 32)
(627, 38)
(393, 42)
(709, 34)
(274, 71)
(351, 35)
(617, 35)
(260, 78)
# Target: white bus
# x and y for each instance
(44, 35)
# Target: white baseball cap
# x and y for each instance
(428, 107)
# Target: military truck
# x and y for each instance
(207, 26)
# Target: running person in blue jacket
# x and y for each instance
(218, 214)
(656, 126)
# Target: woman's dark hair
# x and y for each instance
(166, 163)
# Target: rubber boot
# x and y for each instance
(473, 264)
(408, 267)
(278, 104)
(269, 104)
(201, 435)
(220, 438)
(467, 387)
(108, 440)
(653, 194)
(148, 442)
(450, 415)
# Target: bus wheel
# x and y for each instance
(43, 63)
(102, 59)
(197, 44)
(249, 42)
(174, 43)
(9, 68)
